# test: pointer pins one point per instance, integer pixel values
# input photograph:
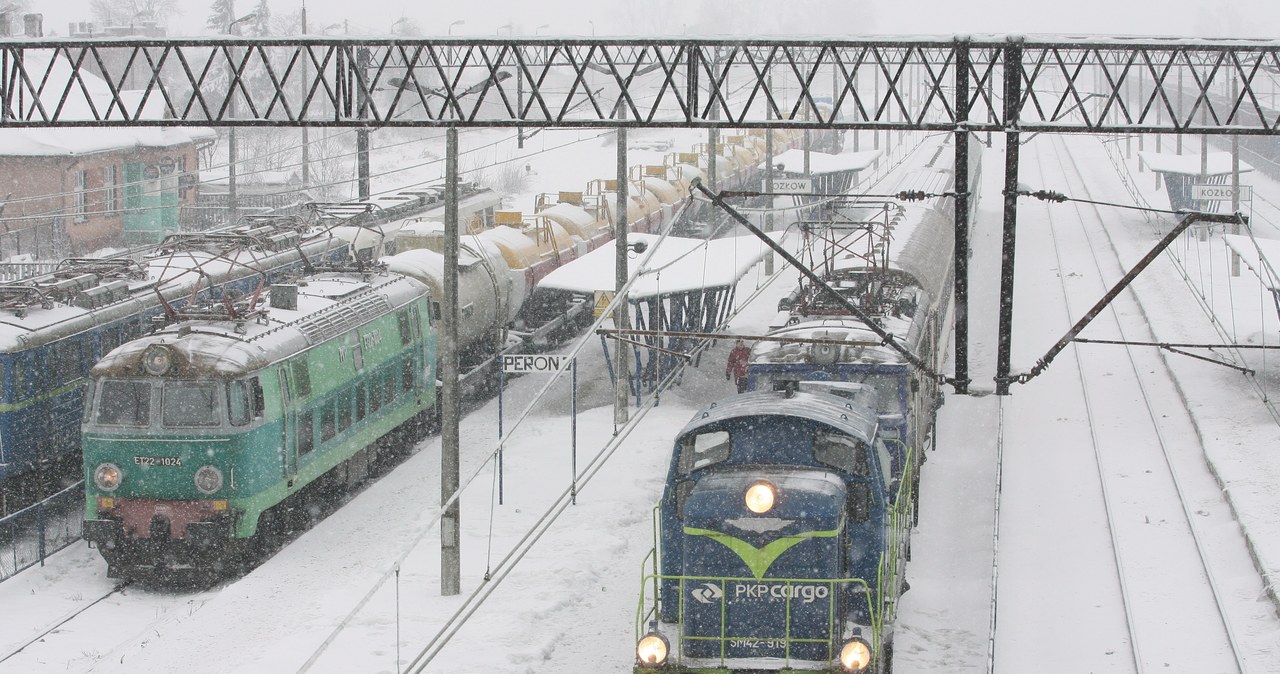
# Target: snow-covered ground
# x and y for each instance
(569, 606)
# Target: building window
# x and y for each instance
(110, 189)
(81, 205)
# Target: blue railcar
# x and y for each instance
(782, 534)
(894, 260)
(54, 327)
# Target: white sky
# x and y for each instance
(1199, 18)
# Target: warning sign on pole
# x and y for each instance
(603, 298)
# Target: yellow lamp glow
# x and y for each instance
(760, 497)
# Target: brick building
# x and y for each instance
(70, 191)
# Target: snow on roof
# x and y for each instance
(678, 265)
(87, 95)
(1262, 256)
(823, 408)
(1189, 164)
(822, 162)
(79, 141)
(863, 346)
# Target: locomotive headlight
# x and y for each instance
(652, 650)
(157, 359)
(208, 479)
(107, 477)
(855, 656)
(760, 497)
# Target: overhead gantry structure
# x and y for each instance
(1006, 85)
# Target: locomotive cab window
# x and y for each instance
(238, 403)
(301, 378)
(841, 452)
(190, 404)
(886, 462)
(702, 450)
(258, 400)
(124, 403)
(406, 329)
(88, 401)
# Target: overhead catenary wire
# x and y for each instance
(504, 568)
(345, 181)
(492, 455)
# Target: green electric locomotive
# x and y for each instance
(195, 434)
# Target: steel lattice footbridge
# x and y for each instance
(1001, 84)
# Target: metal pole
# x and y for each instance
(768, 188)
(713, 151)
(1235, 182)
(768, 180)
(362, 133)
(233, 201)
(502, 375)
(621, 318)
(1012, 98)
(1203, 234)
(1177, 123)
(306, 147)
(573, 429)
(1127, 95)
(961, 252)
(450, 408)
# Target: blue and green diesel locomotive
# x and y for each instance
(782, 535)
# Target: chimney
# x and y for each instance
(33, 25)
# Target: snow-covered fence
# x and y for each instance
(30, 535)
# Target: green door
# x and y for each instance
(150, 203)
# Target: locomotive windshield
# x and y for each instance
(779, 442)
(190, 403)
(703, 449)
(842, 452)
(182, 403)
(124, 403)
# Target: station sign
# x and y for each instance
(519, 363)
(1220, 193)
(790, 185)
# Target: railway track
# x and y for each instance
(1154, 556)
(98, 629)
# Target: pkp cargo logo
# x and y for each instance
(709, 593)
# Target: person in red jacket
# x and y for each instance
(736, 369)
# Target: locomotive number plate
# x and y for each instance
(157, 461)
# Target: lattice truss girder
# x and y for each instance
(1104, 85)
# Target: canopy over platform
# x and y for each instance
(1218, 163)
(687, 287)
(820, 163)
(1261, 256)
(1182, 173)
(680, 265)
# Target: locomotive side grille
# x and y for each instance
(343, 317)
